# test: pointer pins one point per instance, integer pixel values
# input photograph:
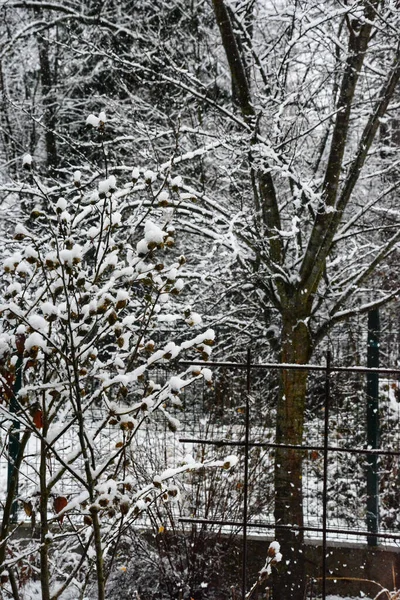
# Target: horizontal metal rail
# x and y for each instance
(354, 532)
(290, 446)
(289, 366)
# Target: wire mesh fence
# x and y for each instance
(237, 414)
(336, 450)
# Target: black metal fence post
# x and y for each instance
(373, 427)
(325, 474)
(246, 474)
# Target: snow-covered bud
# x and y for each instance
(65, 217)
(195, 370)
(205, 352)
(13, 290)
(139, 507)
(230, 461)
(61, 205)
(124, 506)
(103, 501)
(188, 197)
(23, 270)
(20, 232)
(193, 319)
(274, 547)
(103, 188)
(176, 183)
(50, 311)
(135, 175)
(176, 384)
(117, 330)
(11, 262)
(149, 176)
(173, 424)
(178, 287)
(147, 403)
(97, 122)
(274, 552)
(151, 386)
(112, 183)
(36, 212)
(122, 299)
(207, 375)
(37, 323)
(33, 343)
(31, 255)
(51, 260)
(172, 491)
(209, 337)
(27, 162)
(93, 120)
(93, 198)
(77, 179)
(107, 185)
(149, 346)
(157, 482)
(153, 234)
(163, 199)
(142, 248)
(112, 317)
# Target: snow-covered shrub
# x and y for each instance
(274, 556)
(174, 559)
(89, 281)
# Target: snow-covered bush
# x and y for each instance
(175, 559)
(90, 280)
(274, 556)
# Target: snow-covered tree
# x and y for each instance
(282, 116)
(88, 284)
(313, 83)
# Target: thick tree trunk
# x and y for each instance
(49, 103)
(296, 348)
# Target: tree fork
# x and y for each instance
(314, 259)
(266, 188)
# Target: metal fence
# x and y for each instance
(351, 475)
(351, 449)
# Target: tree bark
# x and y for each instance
(296, 349)
(240, 84)
(49, 104)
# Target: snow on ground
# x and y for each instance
(32, 592)
(346, 597)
